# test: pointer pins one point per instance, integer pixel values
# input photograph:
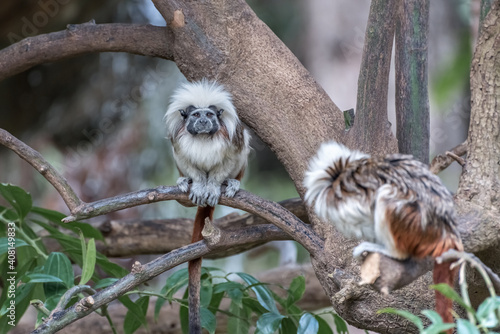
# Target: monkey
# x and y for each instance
(394, 203)
(210, 147)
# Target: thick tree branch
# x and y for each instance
(159, 236)
(412, 100)
(146, 40)
(372, 131)
(143, 273)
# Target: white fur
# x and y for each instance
(205, 159)
(201, 94)
(317, 182)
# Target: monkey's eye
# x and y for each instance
(196, 114)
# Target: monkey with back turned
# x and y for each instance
(394, 202)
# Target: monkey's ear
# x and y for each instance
(219, 112)
(183, 113)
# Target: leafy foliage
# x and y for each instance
(46, 277)
(30, 270)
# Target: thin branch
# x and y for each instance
(146, 40)
(442, 161)
(475, 262)
(268, 210)
(36, 160)
(147, 271)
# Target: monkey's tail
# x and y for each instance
(443, 274)
(194, 269)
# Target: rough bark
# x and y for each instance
(412, 100)
(478, 196)
(372, 131)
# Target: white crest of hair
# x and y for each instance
(318, 182)
(201, 94)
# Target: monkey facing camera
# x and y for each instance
(210, 147)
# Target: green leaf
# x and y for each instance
(42, 278)
(89, 263)
(206, 290)
(288, 326)
(159, 303)
(225, 286)
(215, 302)
(56, 217)
(486, 312)
(308, 324)
(208, 320)
(136, 314)
(411, 317)
(269, 322)
(465, 327)
(236, 296)
(184, 314)
(19, 199)
(175, 282)
(433, 316)
(238, 323)
(323, 326)
(450, 293)
(340, 324)
(296, 290)
(263, 294)
(4, 244)
(105, 282)
(254, 305)
(59, 265)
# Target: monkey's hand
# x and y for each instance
(183, 183)
(232, 188)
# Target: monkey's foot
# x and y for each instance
(370, 247)
(232, 188)
(198, 194)
(183, 183)
(212, 194)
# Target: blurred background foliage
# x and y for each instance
(98, 117)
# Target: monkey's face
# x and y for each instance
(201, 120)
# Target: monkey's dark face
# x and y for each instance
(201, 120)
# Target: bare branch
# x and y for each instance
(36, 160)
(146, 40)
(158, 236)
(147, 271)
(442, 161)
